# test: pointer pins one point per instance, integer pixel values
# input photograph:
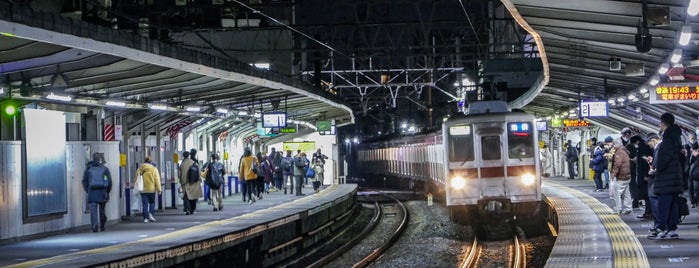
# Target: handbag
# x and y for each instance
(138, 186)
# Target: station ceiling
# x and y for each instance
(579, 38)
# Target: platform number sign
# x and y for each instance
(593, 109)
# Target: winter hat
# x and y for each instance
(608, 139)
(651, 136)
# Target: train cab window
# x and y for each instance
(490, 147)
(520, 139)
(460, 144)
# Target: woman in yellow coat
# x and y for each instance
(246, 169)
(151, 186)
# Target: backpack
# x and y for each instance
(215, 176)
(286, 165)
(193, 173)
(98, 180)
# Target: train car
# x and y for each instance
(492, 162)
(484, 162)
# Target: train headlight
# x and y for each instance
(458, 182)
(528, 179)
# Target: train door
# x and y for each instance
(491, 145)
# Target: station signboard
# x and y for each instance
(674, 93)
(593, 109)
(575, 123)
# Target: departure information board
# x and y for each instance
(593, 109)
(674, 93)
(575, 123)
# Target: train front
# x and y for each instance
(492, 164)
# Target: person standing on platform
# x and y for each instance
(299, 171)
(599, 164)
(572, 158)
(277, 177)
(151, 187)
(652, 140)
(191, 191)
(97, 182)
(694, 175)
(668, 177)
(260, 181)
(609, 155)
(214, 179)
(621, 172)
(246, 169)
(643, 151)
(318, 178)
(288, 171)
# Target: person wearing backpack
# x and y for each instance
(214, 179)
(288, 171)
(97, 182)
(190, 183)
(299, 171)
(151, 186)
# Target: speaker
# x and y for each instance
(615, 64)
(659, 16)
(635, 69)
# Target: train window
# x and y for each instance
(490, 147)
(460, 144)
(520, 141)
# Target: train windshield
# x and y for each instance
(460, 143)
(520, 139)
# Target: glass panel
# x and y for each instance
(460, 144)
(490, 147)
(520, 140)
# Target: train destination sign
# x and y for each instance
(674, 93)
(575, 123)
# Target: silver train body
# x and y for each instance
(486, 160)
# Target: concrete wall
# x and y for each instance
(11, 225)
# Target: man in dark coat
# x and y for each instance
(668, 177)
(643, 151)
(572, 158)
(97, 182)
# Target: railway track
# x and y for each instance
(489, 254)
(385, 207)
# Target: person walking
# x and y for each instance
(668, 177)
(248, 169)
(97, 183)
(191, 191)
(299, 171)
(151, 186)
(260, 181)
(214, 179)
(621, 171)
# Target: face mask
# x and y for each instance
(624, 138)
(636, 146)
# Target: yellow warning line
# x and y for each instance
(627, 250)
(179, 233)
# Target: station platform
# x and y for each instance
(131, 242)
(592, 235)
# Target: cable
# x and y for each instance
(468, 18)
(291, 28)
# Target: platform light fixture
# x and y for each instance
(664, 68)
(243, 113)
(222, 110)
(693, 7)
(685, 35)
(654, 80)
(57, 97)
(115, 103)
(676, 55)
(643, 90)
(621, 99)
(193, 109)
(158, 106)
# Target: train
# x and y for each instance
(483, 162)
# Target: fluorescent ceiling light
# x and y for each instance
(654, 80)
(611, 101)
(632, 96)
(693, 7)
(676, 55)
(116, 103)
(222, 110)
(242, 113)
(685, 35)
(158, 107)
(621, 99)
(643, 90)
(664, 68)
(193, 109)
(52, 96)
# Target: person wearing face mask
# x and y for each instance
(668, 177)
(642, 152)
(609, 156)
(626, 135)
(694, 175)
